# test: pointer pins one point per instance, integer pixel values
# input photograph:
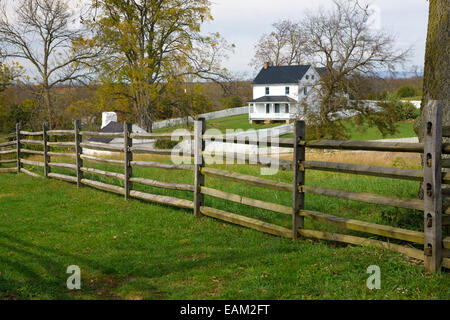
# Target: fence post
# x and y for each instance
(199, 162)
(128, 154)
(298, 197)
(18, 136)
(432, 186)
(78, 151)
(46, 158)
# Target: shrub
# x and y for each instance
(165, 144)
(406, 92)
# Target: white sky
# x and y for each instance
(242, 22)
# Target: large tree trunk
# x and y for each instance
(437, 62)
(437, 65)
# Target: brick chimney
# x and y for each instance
(266, 65)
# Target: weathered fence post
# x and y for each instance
(298, 197)
(432, 187)
(199, 163)
(128, 154)
(18, 137)
(78, 151)
(46, 158)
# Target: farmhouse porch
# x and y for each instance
(272, 108)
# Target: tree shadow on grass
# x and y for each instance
(50, 281)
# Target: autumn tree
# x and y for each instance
(342, 42)
(42, 33)
(153, 42)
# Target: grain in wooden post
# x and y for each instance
(18, 137)
(78, 152)
(298, 196)
(128, 158)
(199, 163)
(432, 172)
(46, 157)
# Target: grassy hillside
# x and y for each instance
(137, 250)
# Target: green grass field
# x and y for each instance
(137, 250)
(405, 129)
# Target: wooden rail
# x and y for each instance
(411, 252)
(33, 142)
(97, 159)
(159, 135)
(362, 226)
(63, 177)
(386, 172)
(246, 201)
(8, 151)
(165, 200)
(101, 146)
(366, 146)
(151, 164)
(103, 173)
(247, 179)
(164, 185)
(62, 165)
(102, 134)
(35, 175)
(146, 150)
(248, 140)
(246, 222)
(62, 144)
(60, 132)
(28, 133)
(32, 151)
(61, 154)
(103, 186)
(8, 144)
(32, 163)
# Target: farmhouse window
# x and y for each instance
(286, 108)
(267, 108)
(267, 90)
(305, 91)
(287, 90)
(307, 77)
(277, 108)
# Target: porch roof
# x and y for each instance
(282, 99)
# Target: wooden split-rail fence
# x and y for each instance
(436, 248)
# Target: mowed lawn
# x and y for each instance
(138, 250)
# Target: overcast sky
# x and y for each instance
(242, 22)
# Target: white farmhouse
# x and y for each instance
(278, 92)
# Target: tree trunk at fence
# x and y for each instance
(437, 66)
(437, 63)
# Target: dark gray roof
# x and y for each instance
(111, 127)
(275, 99)
(281, 74)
